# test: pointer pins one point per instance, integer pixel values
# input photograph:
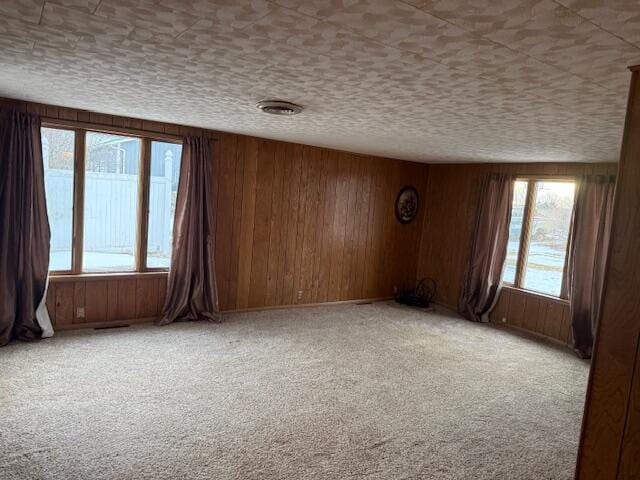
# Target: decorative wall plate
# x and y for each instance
(407, 204)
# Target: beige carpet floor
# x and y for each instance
(339, 392)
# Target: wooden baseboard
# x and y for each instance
(525, 331)
(308, 305)
(114, 323)
(508, 326)
(137, 321)
(124, 323)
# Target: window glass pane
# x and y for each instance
(515, 231)
(58, 158)
(552, 212)
(112, 164)
(165, 172)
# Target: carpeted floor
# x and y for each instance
(338, 392)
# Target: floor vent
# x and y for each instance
(364, 303)
(109, 327)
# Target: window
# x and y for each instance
(538, 235)
(515, 229)
(110, 198)
(164, 175)
(111, 182)
(58, 157)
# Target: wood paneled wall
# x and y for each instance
(539, 314)
(295, 225)
(451, 201)
(112, 300)
(300, 225)
(610, 443)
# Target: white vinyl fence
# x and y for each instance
(110, 214)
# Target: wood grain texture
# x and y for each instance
(106, 299)
(451, 198)
(294, 220)
(610, 442)
(64, 303)
(630, 460)
(96, 301)
(306, 219)
(79, 300)
(450, 208)
(535, 313)
(295, 224)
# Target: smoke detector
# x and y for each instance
(278, 107)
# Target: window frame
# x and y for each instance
(74, 196)
(80, 130)
(525, 234)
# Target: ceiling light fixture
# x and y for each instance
(278, 107)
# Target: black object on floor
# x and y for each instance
(422, 296)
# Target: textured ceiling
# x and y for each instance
(429, 80)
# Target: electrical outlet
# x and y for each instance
(395, 289)
(504, 319)
(80, 312)
(299, 294)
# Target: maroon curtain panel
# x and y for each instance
(24, 226)
(489, 248)
(191, 289)
(587, 257)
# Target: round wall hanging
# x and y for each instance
(407, 204)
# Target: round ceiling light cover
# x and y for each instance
(279, 107)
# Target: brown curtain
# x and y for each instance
(24, 226)
(489, 248)
(587, 257)
(191, 290)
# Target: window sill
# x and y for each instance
(531, 293)
(74, 277)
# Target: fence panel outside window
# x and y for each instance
(112, 166)
(111, 198)
(163, 190)
(58, 154)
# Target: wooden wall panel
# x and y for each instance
(261, 225)
(450, 208)
(610, 443)
(146, 298)
(64, 304)
(105, 299)
(245, 254)
(97, 301)
(539, 314)
(298, 221)
(295, 224)
(629, 467)
(112, 304)
(126, 299)
(309, 215)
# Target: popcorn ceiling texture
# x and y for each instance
(427, 80)
(330, 393)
